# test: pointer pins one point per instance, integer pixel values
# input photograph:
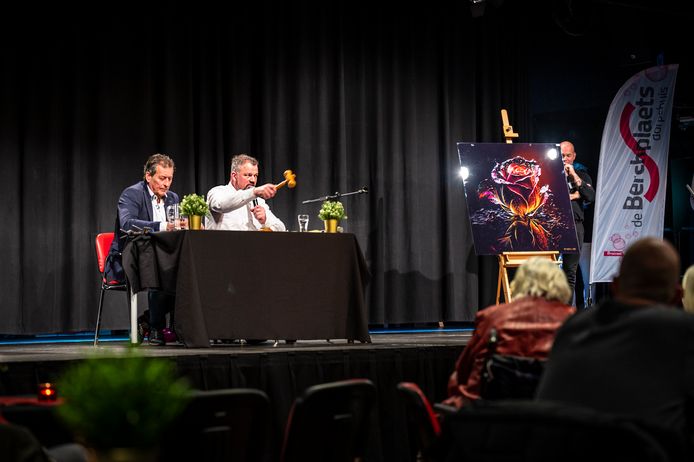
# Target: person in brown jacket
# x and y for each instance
(525, 327)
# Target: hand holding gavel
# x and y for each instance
(289, 180)
(268, 191)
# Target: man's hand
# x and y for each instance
(259, 214)
(266, 191)
(571, 175)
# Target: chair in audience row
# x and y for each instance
(328, 422)
(530, 430)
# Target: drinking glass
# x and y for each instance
(173, 216)
(303, 223)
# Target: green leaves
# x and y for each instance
(125, 401)
(194, 204)
(332, 210)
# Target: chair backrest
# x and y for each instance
(222, 425)
(508, 376)
(42, 421)
(103, 244)
(422, 424)
(330, 421)
(543, 431)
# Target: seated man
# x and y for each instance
(240, 205)
(525, 326)
(632, 355)
(143, 205)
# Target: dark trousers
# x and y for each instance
(160, 303)
(570, 260)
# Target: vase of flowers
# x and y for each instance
(332, 212)
(194, 207)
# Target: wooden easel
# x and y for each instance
(508, 129)
(514, 259)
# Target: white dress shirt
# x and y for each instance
(158, 210)
(230, 209)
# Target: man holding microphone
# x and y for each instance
(581, 193)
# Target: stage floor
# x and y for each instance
(70, 351)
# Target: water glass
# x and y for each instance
(173, 216)
(303, 223)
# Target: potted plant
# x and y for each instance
(332, 212)
(194, 207)
(118, 406)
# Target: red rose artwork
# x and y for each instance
(517, 198)
(515, 188)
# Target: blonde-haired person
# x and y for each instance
(688, 288)
(525, 327)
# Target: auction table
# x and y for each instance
(255, 285)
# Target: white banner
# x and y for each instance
(631, 186)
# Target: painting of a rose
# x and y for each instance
(517, 198)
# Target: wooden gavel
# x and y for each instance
(289, 180)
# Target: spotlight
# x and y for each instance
(552, 154)
(464, 173)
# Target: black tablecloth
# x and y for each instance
(255, 285)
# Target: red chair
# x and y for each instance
(103, 244)
(421, 420)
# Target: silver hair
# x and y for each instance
(688, 286)
(540, 277)
(238, 160)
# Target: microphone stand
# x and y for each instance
(336, 196)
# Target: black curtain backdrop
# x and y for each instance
(345, 94)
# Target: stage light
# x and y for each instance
(552, 154)
(47, 392)
(464, 173)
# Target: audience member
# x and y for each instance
(525, 327)
(632, 355)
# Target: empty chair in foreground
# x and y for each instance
(423, 426)
(229, 425)
(331, 422)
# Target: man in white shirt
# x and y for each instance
(240, 205)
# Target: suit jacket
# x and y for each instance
(134, 211)
(635, 361)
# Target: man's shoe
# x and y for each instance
(142, 327)
(169, 335)
(156, 337)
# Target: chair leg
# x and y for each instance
(98, 318)
(132, 307)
